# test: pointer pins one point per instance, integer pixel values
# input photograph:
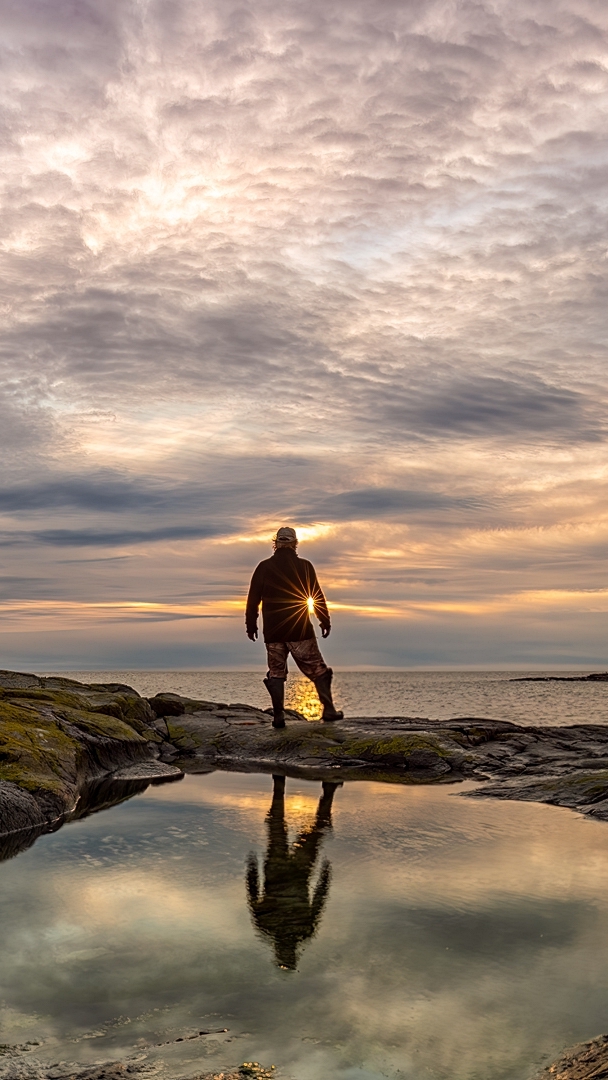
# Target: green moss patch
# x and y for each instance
(35, 752)
(40, 747)
(120, 715)
(182, 737)
(393, 749)
(99, 724)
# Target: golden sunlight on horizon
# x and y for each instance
(67, 613)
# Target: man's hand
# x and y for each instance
(252, 635)
(325, 631)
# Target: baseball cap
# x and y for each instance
(286, 535)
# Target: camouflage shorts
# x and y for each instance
(306, 654)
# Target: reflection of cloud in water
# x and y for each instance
(479, 854)
(153, 902)
(478, 845)
(470, 936)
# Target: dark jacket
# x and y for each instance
(282, 585)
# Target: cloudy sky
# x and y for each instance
(340, 265)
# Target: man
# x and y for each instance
(287, 588)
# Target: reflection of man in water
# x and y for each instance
(285, 912)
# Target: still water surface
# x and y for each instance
(428, 935)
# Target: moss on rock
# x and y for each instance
(397, 749)
(182, 737)
(57, 734)
(35, 751)
(132, 710)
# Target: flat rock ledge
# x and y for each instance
(68, 749)
(562, 766)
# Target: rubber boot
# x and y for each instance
(323, 685)
(276, 689)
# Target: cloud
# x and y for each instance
(319, 263)
(377, 502)
(498, 407)
(106, 538)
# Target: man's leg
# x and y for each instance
(274, 682)
(307, 656)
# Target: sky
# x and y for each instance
(340, 266)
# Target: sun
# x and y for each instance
(311, 605)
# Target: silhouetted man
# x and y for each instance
(287, 588)
(285, 911)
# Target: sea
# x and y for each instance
(439, 695)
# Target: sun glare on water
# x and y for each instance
(300, 694)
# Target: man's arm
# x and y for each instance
(321, 610)
(254, 600)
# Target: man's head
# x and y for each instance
(285, 538)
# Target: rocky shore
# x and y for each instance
(564, 766)
(69, 748)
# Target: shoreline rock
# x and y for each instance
(59, 739)
(585, 1061)
(68, 749)
(561, 766)
(597, 676)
